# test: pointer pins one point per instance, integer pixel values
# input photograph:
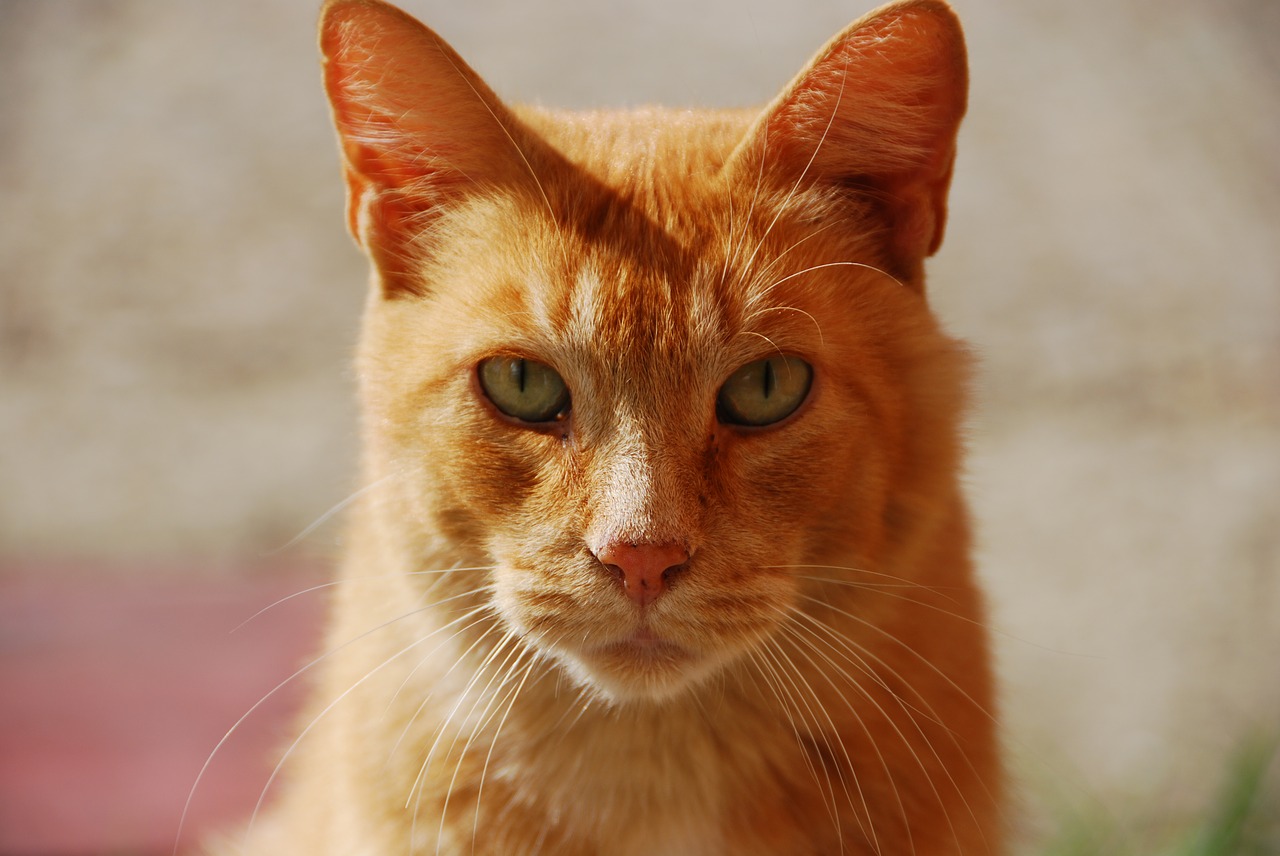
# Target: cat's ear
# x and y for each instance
(418, 129)
(876, 112)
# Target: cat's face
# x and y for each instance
(642, 370)
(648, 376)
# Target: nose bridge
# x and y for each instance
(647, 489)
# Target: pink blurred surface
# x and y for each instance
(113, 694)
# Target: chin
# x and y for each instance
(629, 671)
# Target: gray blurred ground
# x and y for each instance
(178, 301)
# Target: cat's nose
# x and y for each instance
(644, 569)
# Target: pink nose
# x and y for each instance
(643, 568)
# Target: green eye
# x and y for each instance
(524, 389)
(764, 392)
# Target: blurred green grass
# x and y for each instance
(1244, 819)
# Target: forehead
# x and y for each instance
(641, 258)
(630, 318)
(638, 225)
(655, 317)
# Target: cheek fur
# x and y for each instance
(808, 490)
(495, 478)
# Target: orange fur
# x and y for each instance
(814, 679)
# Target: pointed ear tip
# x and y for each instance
(346, 21)
(935, 16)
(346, 24)
(936, 23)
(334, 13)
(940, 10)
(330, 7)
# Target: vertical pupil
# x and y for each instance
(768, 378)
(520, 373)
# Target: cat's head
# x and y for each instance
(660, 372)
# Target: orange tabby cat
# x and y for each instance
(662, 549)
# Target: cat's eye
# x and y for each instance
(524, 389)
(764, 392)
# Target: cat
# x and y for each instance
(661, 548)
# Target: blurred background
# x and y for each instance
(179, 299)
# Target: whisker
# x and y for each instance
(825, 265)
(767, 672)
(875, 587)
(869, 829)
(860, 265)
(841, 643)
(883, 588)
(778, 681)
(776, 260)
(321, 715)
(283, 600)
(795, 632)
(730, 240)
(511, 642)
(586, 698)
(835, 110)
(741, 240)
(551, 212)
(331, 513)
(772, 344)
(260, 702)
(932, 714)
(871, 625)
(497, 733)
(503, 642)
(893, 590)
(757, 313)
(345, 580)
(478, 611)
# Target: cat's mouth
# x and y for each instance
(643, 664)
(644, 645)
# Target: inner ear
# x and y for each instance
(419, 130)
(875, 112)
